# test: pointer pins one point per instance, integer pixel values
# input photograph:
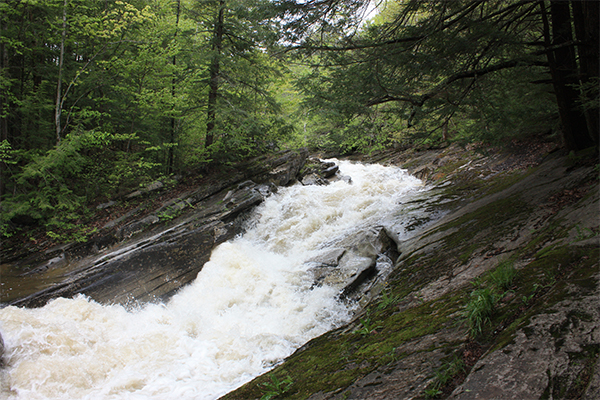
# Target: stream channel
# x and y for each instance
(252, 304)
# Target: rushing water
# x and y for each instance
(250, 306)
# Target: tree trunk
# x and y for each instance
(171, 150)
(214, 76)
(58, 109)
(586, 15)
(4, 100)
(563, 68)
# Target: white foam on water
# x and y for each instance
(251, 306)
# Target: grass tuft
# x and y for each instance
(480, 309)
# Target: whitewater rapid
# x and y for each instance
(251, 306)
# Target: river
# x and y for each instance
(251, 306)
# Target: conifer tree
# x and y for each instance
(434, 59)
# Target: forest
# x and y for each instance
(99, 97)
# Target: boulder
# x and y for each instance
(330, 171)
(154, 186)
(313, 179)
(105, 205)
(319, 172)
(354, 261)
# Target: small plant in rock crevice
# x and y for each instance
(276, 387)
(503, 276)
(480, 309)
(584, 233)
(482, 303)
(444, 376)
(387, 299)
(367, 326)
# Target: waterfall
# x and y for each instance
(251, 306)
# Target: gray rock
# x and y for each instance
(111, 224)
(354, 261)
(134, 194)
(58, 261)
(1, 350)
(137, 226)
(285, 169)
(545, 354)
(346, 179)
(330, 258)
(331, 171)
(154, 186)
(105, 205)
(313, 179)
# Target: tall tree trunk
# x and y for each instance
(4, 105)
(4, 100)
(171, 150)
(214, 75)
(563, 68)
(58, 109)
(586, 15)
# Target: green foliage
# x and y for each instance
(589, 94)
(584, 233)
(6, 153)
(367, 325)
(479, 309)
(387, 299)
(133, 100)
(503, 275)
(527, 298)
(407, 77)
(69, 231)
(444, 375)
(54, 188)
(482, 302)
(276, 387)
(169, 214)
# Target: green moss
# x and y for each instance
(334, 361)
(548, 279)
(472, 230)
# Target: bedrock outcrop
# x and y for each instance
(520, 232)
(140, 259)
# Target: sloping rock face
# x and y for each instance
(522, 238)
(551, 357)
(149, 259)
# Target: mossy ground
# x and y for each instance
(381, 338)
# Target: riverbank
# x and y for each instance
(497, 299)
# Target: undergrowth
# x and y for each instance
(444, 375)
(482, 304)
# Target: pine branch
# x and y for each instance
(419, 101)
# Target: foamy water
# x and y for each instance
(251, 306)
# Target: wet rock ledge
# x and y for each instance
(136, 260)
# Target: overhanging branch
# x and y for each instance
(419, 101)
